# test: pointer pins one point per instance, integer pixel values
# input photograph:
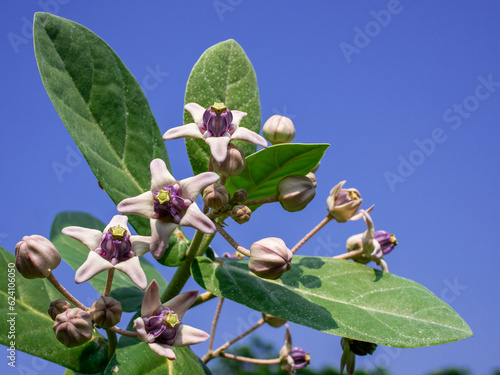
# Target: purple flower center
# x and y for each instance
(162, 328)
(169, 204)
(346, 197)
(217, 121)
(115, 245)
(300, 358)
(386, 240)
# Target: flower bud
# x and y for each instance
(316, 168)
(343, 204)
(215, 196)
(312, 177)
(362, 347)
(295, 192)
(36, 257)
(73, 327)
(387, 241)
(279, 129)
(239, 196)
(233, 164)
(106, 312)
(273, 321)
(300, 358)
(270, 258)
(241, 214)
(58, 307)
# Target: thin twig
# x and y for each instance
(231, 240)
(214, 324)
(323, 222)
(65, 293)
(261, 201)
(349, 255)
(123, 332)
(109, 282)
(202, 298)
(272, 361)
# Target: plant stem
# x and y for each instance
(123, 332)
(65, 293)
(109, 282)
(261, 201)
(202, 298)
(217, 353)
(112, 341)
(231, 240)
(349, 255)
(214, 324)
(181, 276)
(323, 222)
(273, 361)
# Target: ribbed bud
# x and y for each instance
(273, 321)
(279, 129)
(215, 196)
(239, 196)
(386, 240)
(73, 327)
(36, 257)
(300, 358)
(295, 192)
(58, 307)
(234, 163)
(312, 177)
(106, 312)
(270, 258)
(241, 214)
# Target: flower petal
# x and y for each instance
(187, 335)
(244, 134)
(188, 130)
(359, 215)
(196, 219)
(132, 268)
(160, 233)
(237, 117)
(196, 111)
(92, 266)
(120, 220)
(160, 176)
(151, 300)
(163, 349)
(141, 205)
(140, 244)
(191, 187)
(180, 303)
(140, 328)
(218, 147)
(89, 237)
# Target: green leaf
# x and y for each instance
(176, 250)
(75, 253)
(339, 297)
(31, 330)
(102, 106)
(266, 168)
(222, 74)
(130, 298)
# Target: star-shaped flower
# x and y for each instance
(160, 324)
(217, 126)
(170, 203)
(112, 248)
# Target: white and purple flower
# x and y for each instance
(160, 324)
(170, 203)
(112, 248)
(217, 126)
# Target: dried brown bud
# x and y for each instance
(270, 258)
(273, 321)
(234, 163)
(58, 307)
(239, 196)
(241, 214)
(36, 257)
(73, 327)
(279, 129)
(215, 196)
(295, 192)
(106, 312)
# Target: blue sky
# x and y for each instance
(406, 92)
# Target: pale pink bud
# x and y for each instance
(73, 327)
(295, 192)
(36, 257)
(241, 214)
(270, 258)
(233, 164)
(106, 312)
(279, 129)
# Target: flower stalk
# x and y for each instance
(64, 292)
(231, 240)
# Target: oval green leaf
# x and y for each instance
(222, 74)
(32, 326)
(339, 297)
(102, 106)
